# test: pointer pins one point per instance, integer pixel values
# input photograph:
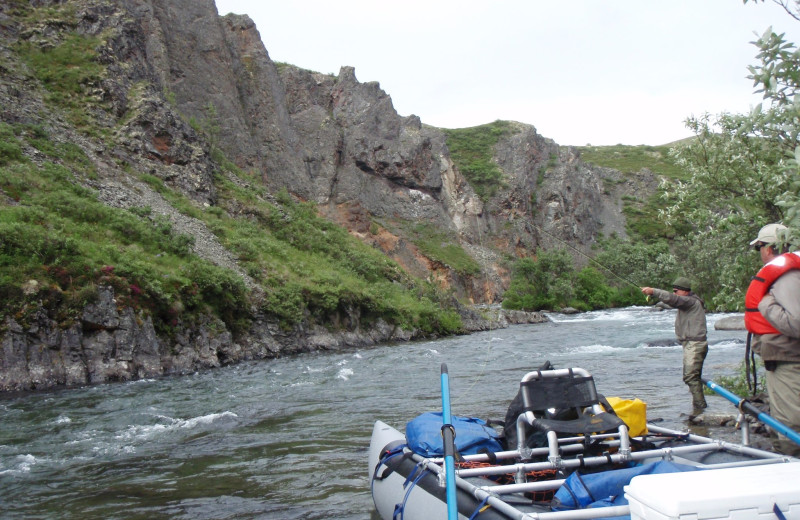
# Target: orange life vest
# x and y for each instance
(754, 321)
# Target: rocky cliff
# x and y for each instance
(340, 143)
(326, 139)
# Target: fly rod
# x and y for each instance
(567, 244)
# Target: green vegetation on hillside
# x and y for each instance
(438, 246)
(472, 151)
(59, 243)
(68, 70)
(628, 159)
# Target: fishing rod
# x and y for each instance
(747, 406)
(567, 244)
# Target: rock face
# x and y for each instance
(327, 139)
(109, 344)
(340, 143)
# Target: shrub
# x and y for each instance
(591, 289)
(545, 282)
(10, 151)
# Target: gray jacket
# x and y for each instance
(690, 324)
(781, 307)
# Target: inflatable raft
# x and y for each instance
(572, 458)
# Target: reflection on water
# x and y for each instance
(287, 438)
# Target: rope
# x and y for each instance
(399, 509)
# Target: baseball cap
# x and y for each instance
(768, 234)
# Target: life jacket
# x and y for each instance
(754, 321)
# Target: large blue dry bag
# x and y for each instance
(606, 488)
(424, 435)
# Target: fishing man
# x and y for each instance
(772, 316)
(690, 327)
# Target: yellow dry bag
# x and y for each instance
(633, 412)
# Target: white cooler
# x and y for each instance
(730, 493)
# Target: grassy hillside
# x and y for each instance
(59, 242)
(629, 159)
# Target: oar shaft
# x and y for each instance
(752, 410)
(448, 442)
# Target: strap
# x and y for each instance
(399, 509)
(778, 512)
(755, 370)
(489, 454)
(413, 473)
(585, 488)
(606, 404)
(572, 494)
(748, 354)
(388, 471)
(482, 507)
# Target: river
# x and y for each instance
(288, 438)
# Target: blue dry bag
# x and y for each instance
(606, 488)
(424, 435)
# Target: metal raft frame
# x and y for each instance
(492, 494)
(559, 447)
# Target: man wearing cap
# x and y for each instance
(772, 316)
(690, 327)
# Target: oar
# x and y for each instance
(747, 406)
(448, 441)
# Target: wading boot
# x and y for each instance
(698, 404)
(696, 415)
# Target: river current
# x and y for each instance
(288, 438)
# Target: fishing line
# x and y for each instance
(565, 243)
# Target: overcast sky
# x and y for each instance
(581, 71)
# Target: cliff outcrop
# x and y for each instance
(180, 82)
(340, 143)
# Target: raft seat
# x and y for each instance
(563, 401)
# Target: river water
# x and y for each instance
(288, 438)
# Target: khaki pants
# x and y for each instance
(783, 387)
(694, 354)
